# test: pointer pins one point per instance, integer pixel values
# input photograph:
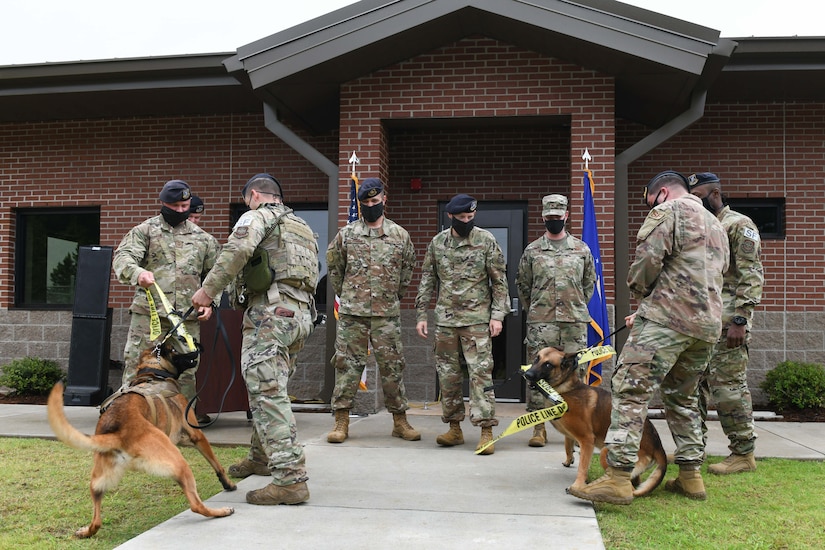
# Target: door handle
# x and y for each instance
(514, 307)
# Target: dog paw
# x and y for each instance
(567, 463)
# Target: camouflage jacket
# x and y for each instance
(555, 283)
(180, 257)
(370, 269)
(681, 253)
(742, 287)
(250, 231)
(469, 276)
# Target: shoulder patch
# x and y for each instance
(656, 214)
(653, 219)
(749, 233)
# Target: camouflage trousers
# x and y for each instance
(353, 337)
(137, 340)
(657, 358)
(476, 346)
(266, 366)
(570, 337)
(725, 383)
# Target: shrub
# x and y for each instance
(793, 385)
(31, 376)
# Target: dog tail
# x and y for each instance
(658, 456)
(64, 431)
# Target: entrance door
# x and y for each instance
(506, 221)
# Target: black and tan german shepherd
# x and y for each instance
(139, 430)
(588, 418)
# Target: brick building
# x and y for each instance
(497, 99)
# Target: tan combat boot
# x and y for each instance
(614, 487)
(452, 437)
(341, 430)
(734, 464)
(401, 428)
(539, 438)
(486, 437)
(246, 468)
(689, 483)
(279, 494)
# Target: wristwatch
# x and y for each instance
(739, 320)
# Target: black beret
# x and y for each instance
(175, 191)
(369, 188)
(262, 177)
(196, 205)
(701, 178)
(461, 203)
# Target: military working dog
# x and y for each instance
(588, 418)
(138, 429)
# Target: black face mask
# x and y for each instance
(708, 207)
(554, 226)
(655, 203)
(463, 229)
(372, 213)
(173, 217)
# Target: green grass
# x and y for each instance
(781, 505)
(44, 496)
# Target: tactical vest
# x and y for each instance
(293, 252)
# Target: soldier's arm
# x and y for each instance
(426, 286)
(336, 263)
(653, 244)
(746, 248)
(407, 267)
(129, 256)
(588, 275)
(524, 279)
(497, 272)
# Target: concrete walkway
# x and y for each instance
(377, 492)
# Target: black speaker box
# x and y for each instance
(91, 291)
(88, 378)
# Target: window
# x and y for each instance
(48, 240)
(768, 214)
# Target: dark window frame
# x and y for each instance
(23, 218)
(768, 213)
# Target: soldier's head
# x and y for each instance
(175, 199)
(195, 209)
(554, 211)
(372, 197)
(706, 186)
(462, 210)
(261, 189)
(665, 186)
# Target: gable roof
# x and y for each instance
(658, 61)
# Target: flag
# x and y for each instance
(352, 216)
(598, 326)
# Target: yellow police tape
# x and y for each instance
(530, 419)
(174, 318)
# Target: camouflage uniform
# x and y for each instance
(681, 253)
(555, 281)
(180, 257)
(370, 269)
(274, 322)
(726, 376)
(470, 275)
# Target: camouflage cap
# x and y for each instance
(553, 205)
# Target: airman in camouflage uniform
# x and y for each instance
(274, 321)
(466, 266)
(681, 254)
(556, 278)
(726, 377)
(370, 264)
(174, 253)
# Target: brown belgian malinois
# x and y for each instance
(139, 430)
(588, 418)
